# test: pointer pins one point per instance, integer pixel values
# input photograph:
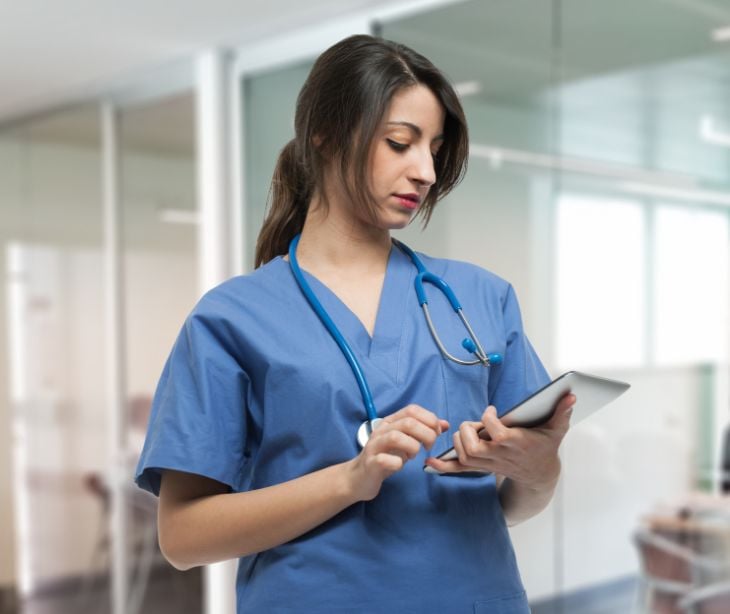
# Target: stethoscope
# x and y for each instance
(470, 344)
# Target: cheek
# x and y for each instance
(387, 172)
(380, 182)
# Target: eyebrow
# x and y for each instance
(417, 130)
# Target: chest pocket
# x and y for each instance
(466, 390)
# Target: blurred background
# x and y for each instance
(137, 142)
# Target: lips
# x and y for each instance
(410, 201)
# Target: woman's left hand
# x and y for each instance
(528, 456)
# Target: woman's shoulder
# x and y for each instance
(246, 293)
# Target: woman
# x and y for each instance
(252, 443)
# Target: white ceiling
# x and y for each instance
(51, 52)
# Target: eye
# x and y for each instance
(395, 145)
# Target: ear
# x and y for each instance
(317, 141)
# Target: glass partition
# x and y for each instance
(641, 126)
(54, 338)
(598, 185)
(53, 315)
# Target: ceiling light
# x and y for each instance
(709, 132)
(468, 88)
(697, 196)
(720, 35)
(178, 216)
(595, 168)
(632, 180)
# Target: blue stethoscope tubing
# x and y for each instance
(471, 344)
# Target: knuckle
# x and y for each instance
(470, 447)
(410, 423)
(394, 436)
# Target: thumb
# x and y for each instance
(560, 420)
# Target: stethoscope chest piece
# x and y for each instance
(366, 428)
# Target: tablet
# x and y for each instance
(591, 393)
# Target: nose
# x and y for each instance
(423, 170)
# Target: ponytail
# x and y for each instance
(288, 198)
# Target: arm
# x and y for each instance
(526, 459)
(200, 522)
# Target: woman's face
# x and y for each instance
(403, 151)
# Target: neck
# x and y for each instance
(333, 239)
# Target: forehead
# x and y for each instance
(419, 106)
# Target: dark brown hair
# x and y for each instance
(338, 112)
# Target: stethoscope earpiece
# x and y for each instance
(469, 345)
(494, 359)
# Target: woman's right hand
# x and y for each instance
(393, 442)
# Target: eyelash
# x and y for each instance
(396, 145)
(401, 147)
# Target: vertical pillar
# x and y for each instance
(214, 239)
(115, 356)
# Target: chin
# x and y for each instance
(398, 225)
(398, 222)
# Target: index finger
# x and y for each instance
(421, 414)
(493, 425)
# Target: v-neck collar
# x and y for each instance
(395, 299)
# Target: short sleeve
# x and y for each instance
(521, 372)
(198, 418)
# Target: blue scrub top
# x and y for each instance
(256, 392)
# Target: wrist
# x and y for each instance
(347, 482)
(546, 480)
